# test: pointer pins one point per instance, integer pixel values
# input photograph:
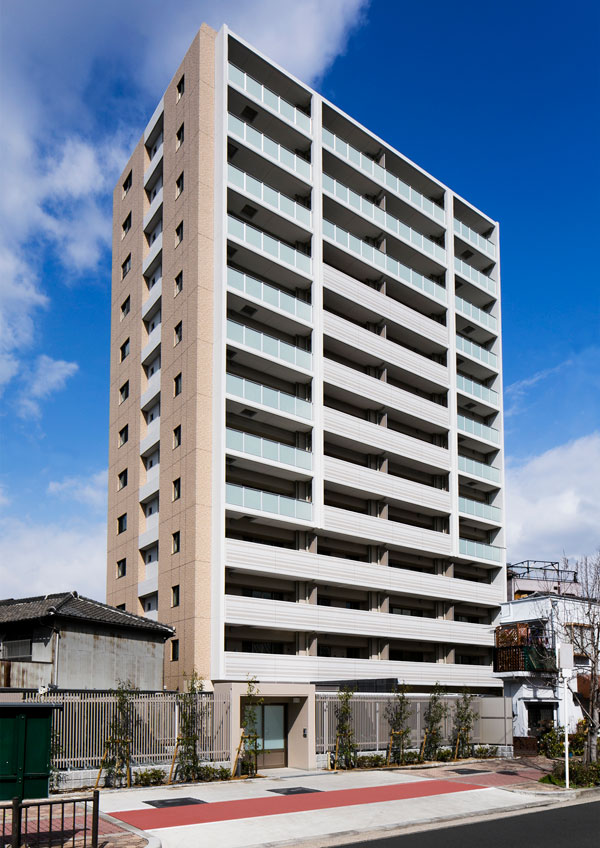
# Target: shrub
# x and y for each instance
(188, 760)
(398, 712)
(435, 714)
(464, 719)
(149, 777)
(370, 761)
(207, 773)
(444, 755)
(346, 747)
(580, 774)
(485, 752)
(552, 743)
(411, 757)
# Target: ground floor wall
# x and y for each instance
(536, 700)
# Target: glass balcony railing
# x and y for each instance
(387, 179)
(273, 248)
(383, 261)
(479, 510)
(472, 387)
(268, 147)
(266, 396)
(268, 449)
(268, 295)
(475, 276)
(267, 195)
(479, 469)
(468, 310)
(474, 238)
(474, 428)
(467, 547)
(257, 499)
(264, 343)
(476, 351)
(271, 100)
(381, 217)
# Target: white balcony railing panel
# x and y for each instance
(268, 295)
(267, 98)
(369, 528)
(256, 393)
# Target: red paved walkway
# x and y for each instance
(152, 819)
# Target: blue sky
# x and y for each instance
(499, 101)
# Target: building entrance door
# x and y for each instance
(271, 726)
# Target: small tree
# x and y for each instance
(190, 729)
(464, 719)
(120, 735)
(252, 745)
(398, 712)
(346, 747)
(435, 714)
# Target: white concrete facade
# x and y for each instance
(356, 492)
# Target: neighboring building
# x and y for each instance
(526, 652)
(306, 462)
(540, 576)
(65, 641)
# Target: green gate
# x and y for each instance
(25, 741)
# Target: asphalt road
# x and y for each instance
(575, 826)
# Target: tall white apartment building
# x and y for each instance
(306, 472)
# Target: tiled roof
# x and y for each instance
(74, 606)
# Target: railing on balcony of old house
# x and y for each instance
(524, 646)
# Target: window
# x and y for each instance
(120, 606)
(125, 307)
(123, 435)
(174, 650)
(179, 185)
(126, 226)
(127, 183)
(177, 385)
(176, 542)
(178, 334)
(122, 523)
(179, 283)
(126, 267)
(124, 392)
(121, 568)
(179, 138)
(125, 350)
(180, 87)
(177, 489)
(177, 436)
(179, 234)
(175, 596)
(122, 479)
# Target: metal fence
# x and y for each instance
(372, 729)
(67, 822)
(83, 726)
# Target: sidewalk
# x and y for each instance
(289, 805)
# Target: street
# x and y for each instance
(575, 825)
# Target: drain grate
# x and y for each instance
(174, 802)
(469, 771)
(507, 771)
(293, 790)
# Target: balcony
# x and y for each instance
(283, 615)
(256, 393)
(149, 586)
(271, 561)
(268, 196)
(269, 296)
(270, 346)
(152, 345)
(150, 535)
(475, 351)
(271, 248)
(475, 389)
(150, 487)
(154, 165)
(479, 510)
(527, 658)
(362, 433)
(480, 242)
(271, 101)
(154, 296)
(478, 469)
(479, 550)
(152, 255)
(153, 122)
(268, 148)
(256, 446)
(467, 272)
(354, 292)
(151, 392)
(384, 263)
(152, 214)
(379, 216)
(380, 175)
(258, 500)
(152, 437)
(473, 313)
(475, 428)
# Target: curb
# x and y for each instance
(151, 840)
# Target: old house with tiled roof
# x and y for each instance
(66, 641)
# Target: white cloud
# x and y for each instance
(91, 491)
(552, 502)
(36, 559)
(515, 393)
(48, 376)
